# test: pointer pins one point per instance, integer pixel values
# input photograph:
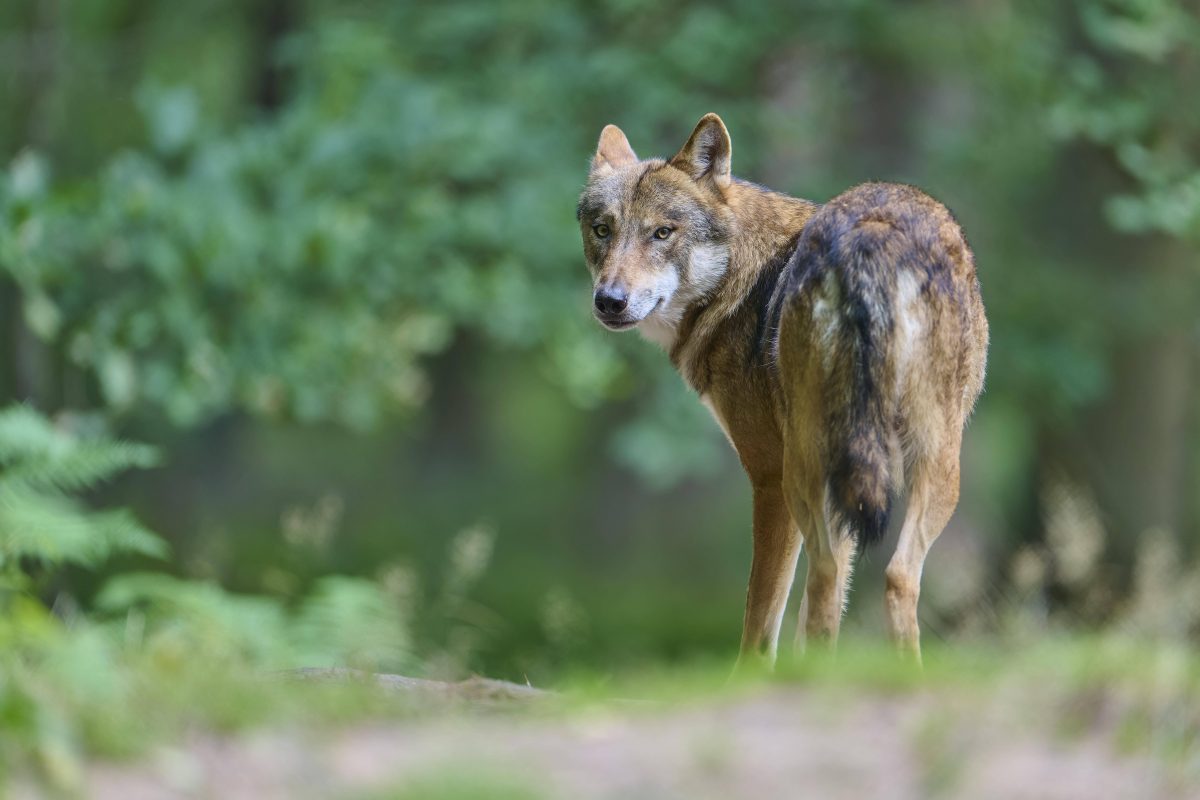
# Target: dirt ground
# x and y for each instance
(771, 742)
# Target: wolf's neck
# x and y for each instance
(764, 223)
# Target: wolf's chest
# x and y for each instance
(659, 331)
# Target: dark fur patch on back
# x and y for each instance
(764, 298)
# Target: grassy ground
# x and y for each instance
(1044, 718)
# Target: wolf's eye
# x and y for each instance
(601, 230)
(663, 233)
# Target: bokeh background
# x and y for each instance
(323, 256)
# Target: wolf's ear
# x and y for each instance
(612, 152)
(707, 152)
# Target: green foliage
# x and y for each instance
(342, 622)
(118, 686)
(155, 640)
(39, 520)
(1124, 95)
(191, 653)
(308, 264)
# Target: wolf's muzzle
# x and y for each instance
(611, 302)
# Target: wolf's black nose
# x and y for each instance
(611, 300)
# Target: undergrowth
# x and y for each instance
(159, 657)
(158, 654)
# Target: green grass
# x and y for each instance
(450, 783)
(69, 695)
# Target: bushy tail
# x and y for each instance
(862, 419)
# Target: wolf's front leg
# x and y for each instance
(776, 548)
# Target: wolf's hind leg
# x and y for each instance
(932, 499)
(829, 564)
(772, 570)
(830, 558)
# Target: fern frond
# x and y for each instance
(46, 528)
(79, 465)
(39, 466)
(122, 533)
(213, 618)
(352, 621)
(57, 530)
(24, 433)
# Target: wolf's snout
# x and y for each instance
(611, 300)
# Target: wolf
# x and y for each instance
(841, 348)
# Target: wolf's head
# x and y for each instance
(655, 233)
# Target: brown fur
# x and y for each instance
(841, 348)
